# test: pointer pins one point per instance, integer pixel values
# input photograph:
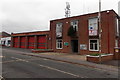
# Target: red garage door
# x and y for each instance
(22, 42)
(15, 42)
(41, 42)
(31, 41)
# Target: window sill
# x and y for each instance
(94, 50)
(59, 48)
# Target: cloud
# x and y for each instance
(29, 15)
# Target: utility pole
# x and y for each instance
(100, 30)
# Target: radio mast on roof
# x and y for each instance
(67, 10)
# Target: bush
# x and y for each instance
(95, 54)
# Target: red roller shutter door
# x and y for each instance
(41, 42)
(15, 42)
(31, 41)
(22, 42)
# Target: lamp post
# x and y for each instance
(100, 30)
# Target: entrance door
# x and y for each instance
(74, 45)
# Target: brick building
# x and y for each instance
(30, 40)
(80, 34)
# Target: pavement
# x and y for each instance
(74, 59)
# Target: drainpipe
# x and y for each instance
(108, 32)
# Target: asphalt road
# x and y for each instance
(16, 65)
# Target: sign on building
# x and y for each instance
(93, 26)
(59, 30)
(83, 46)
(66, 43)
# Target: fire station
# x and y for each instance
(80, 34)
(77, 34)
(30, 40)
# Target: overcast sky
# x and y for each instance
(35, 15)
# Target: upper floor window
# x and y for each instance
(59, 29)
(93, 26)
(74, 24)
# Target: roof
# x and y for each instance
(86, 14)
(4, 34)
(31, 33)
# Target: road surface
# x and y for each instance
(16, 65)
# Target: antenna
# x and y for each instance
(67, 10)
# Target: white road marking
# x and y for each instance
(49, 67)
(60, 71)
(2, 56)
(8, 61)
(17, 59)
(20, 59)
(45, 59)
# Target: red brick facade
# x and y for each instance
(31, 40)
(80, 43)
(108, 24)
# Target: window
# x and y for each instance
(93, 45)
(9, 42)
(93, 26)
(116, 43)
(59, 44)
(117, 29)
(59, 30)
(4, 42)
(75, 25)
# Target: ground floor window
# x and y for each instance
(93, 45)
(59, 44)
(116, 43)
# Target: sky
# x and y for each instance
(34, 15)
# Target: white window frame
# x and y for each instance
(117, 26)
(71, 23)
(97, 45)
(57, 43)
(93, 23)
(59, 27)
(116, 43)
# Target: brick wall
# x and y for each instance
(108, 34)
(35, 36)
